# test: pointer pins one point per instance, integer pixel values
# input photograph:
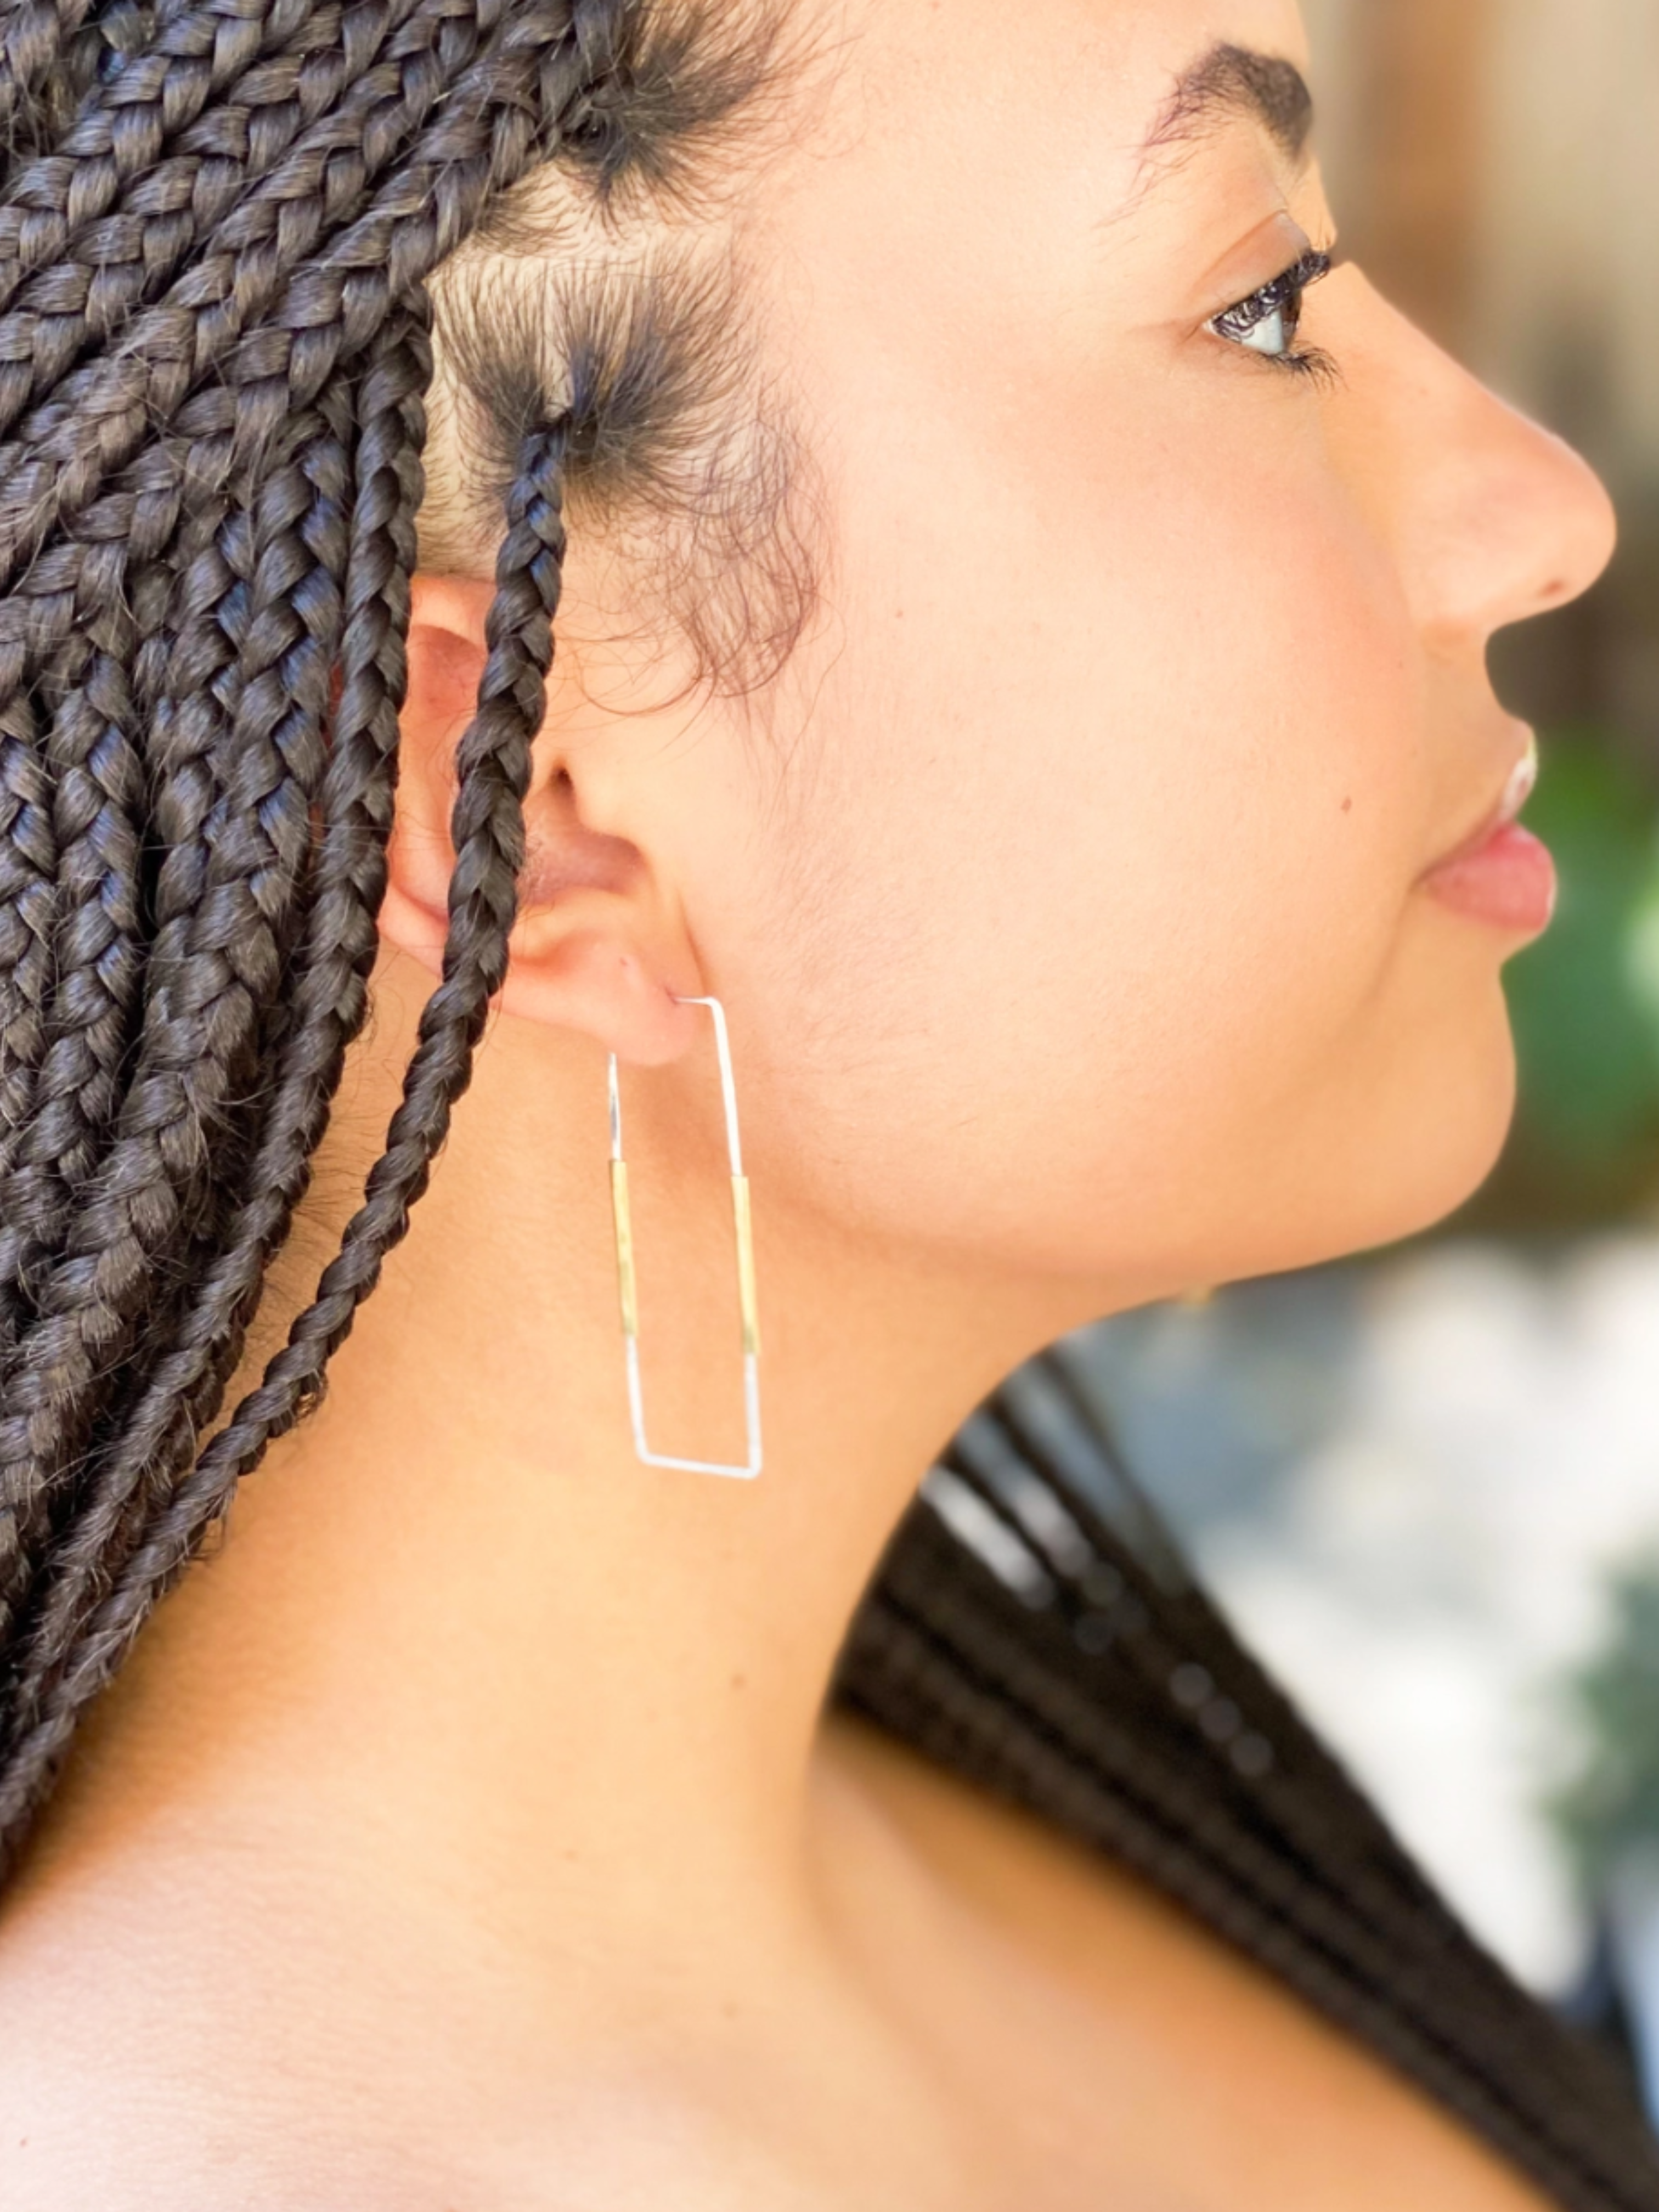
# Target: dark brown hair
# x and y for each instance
(242, 243)
(220, 223)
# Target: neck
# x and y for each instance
(462, 1658)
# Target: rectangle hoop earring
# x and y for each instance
(628, 1287)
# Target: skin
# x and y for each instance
(468, 1833)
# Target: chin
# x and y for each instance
(1471, 1129)
(1436, 1139)
(1394, 1155)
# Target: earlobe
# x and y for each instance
(563, 974)
(594, 981)
(593, 950)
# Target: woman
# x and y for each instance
(1020, 679)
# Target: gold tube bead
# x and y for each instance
(745, 1263)
(626, 1284)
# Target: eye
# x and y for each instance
(1267, 322)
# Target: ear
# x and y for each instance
(599, 946)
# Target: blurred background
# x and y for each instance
(1426, 1484)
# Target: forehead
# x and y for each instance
(1121, 71)
(1171, 35)
(962, 113)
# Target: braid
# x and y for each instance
(215, 345)
(218, 223)
(261, 305)
(97, 792)
(29, 872)
(493, 766)
(35, 37)
(328, 992)
(223, 228)
(493, 763)
(1076, 1699)
(114, 152)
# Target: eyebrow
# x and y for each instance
(1233, 81)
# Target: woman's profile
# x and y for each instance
(830, 644)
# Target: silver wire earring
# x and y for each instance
(628, 1288)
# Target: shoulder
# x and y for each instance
(1123, 2038)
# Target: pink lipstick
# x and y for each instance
(1502, 875)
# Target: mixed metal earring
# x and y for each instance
(628, 1288)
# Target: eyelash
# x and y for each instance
(1284, 293)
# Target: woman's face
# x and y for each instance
(1070, 908)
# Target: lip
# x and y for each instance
(1501, 873)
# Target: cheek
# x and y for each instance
(1115, 795)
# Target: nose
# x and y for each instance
(1495, 518)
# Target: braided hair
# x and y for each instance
(249, 250)
(293, 294)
